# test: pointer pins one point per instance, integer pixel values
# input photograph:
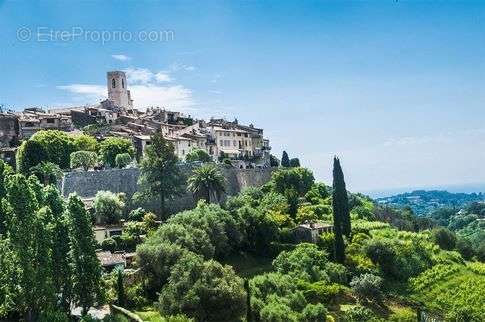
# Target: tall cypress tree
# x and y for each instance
(30, 240)
(86, 268)
(285, 160)
(120, 287)
(340, 197)
(341, 215)
(60, 246)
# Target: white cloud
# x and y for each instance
(173, 97)
(179, 66)
(138, 75)
(89, 92)
(146, 76)
(162, 77)
(121, 57)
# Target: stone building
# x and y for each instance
(32, 120)
(310, 231)
(118, 91)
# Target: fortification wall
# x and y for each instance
(87, 183)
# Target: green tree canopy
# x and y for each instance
(294, 162)
(206, 291)
(297, 179)
(108, 207)
(83, 159)
(58, 145)
(305, 262)
(84, 142)
(198, 155)
(111, 147)
(285, 160)
(160, 177)
(29, 154)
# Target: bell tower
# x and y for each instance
(118, 89)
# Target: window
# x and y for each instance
(234, 143)
(183, 152)
(50, 121)
(122, 83)
(113, 83)
(221, 143)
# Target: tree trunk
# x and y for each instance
(162, 205)
(208, 196)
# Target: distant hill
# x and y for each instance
(425, 201)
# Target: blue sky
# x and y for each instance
(395, 88)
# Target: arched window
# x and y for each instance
(113, 83)
(122, 83)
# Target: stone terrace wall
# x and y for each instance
(87, 183)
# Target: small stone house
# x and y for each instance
(309, 231)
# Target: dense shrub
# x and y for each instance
(206, 291)
(444, 238)
(137, 214)
(109, 244)
(358, 313)
(314, 313)
(304, 262)
(122, 160)
(367, 286)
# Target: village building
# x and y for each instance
(310, 231)
(230, 142)
(32, 120)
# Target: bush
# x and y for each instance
(137, 214)
(109, 244)
(305, 262)
(314, 313)
(206, 291)
(111, 147)
(465, 248)
(83, 159)
(444, 238)
(367, 286)
(359, 313)
(108, 207)
(122, 160)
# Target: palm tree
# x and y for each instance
(206, 182)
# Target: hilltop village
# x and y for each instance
(243, 146)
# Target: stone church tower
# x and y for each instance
(117, 90)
